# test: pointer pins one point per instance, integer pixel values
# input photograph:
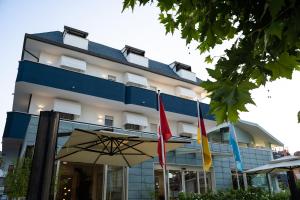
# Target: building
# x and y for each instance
(94, 86)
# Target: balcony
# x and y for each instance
(49, 76)
(41, 74)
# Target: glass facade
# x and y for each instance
(77, 181)
(115, 186)
(181, 181)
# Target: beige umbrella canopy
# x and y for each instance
(105, 147)
(279, 165)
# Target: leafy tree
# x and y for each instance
(266, 46)
(16, 180)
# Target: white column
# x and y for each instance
(183, 181)
(245, 181)
(104, 184)
(198, 183)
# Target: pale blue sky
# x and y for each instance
(107, 25)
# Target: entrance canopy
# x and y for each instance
(106, 147)
(279, 165)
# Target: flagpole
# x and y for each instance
(201, 147)
(163, 150)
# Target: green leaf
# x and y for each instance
(283, 67)
(214, 73)
(275, 7)
(276, 29)
(208, 59)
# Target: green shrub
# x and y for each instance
(16, 180)
(250, 194)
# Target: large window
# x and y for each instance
(175, 183)
(187, 180)
(115, 183)
(132, 127)
(191, 185)
(66, 116)
(81, 181)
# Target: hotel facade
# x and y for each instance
(94, 86)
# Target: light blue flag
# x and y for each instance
(235, 148)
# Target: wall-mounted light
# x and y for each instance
(40, 107)
(100, 118)
(49, 62)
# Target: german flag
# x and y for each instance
(205, 145)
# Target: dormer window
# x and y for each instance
(75, 37)
(76, 32)
(128, 49)
(184, 71)
(177, 66)
(136, 56)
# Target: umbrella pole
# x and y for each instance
(238, 179)
(292, 185)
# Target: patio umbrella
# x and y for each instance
(107, 147)
(284, 164)
(279, 165)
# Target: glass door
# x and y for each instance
(79, 182)
(175, 183)
(190, 178)
(115, 183)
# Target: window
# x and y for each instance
(66, 116)
(109, 120)
(111, 78)
(132, 127)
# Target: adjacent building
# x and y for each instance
(95, 86)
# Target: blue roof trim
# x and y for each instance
(106, 52)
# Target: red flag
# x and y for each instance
(159, 150)
(165, 129)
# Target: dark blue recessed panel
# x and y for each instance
(185, 106)
(41, 74)
(141, 97)
(16, 125)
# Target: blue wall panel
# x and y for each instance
(16, 125)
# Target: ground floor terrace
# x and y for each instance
(79, 180)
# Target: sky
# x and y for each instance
(106, 24)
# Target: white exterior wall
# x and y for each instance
(49, 59)
(96, 115)
(40, 103)
(167, 89)
(103, 72)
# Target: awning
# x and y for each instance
(278, 165)
(137, 119)
(66, 106)
(135, 79)
(187, 129)
(105, 147)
